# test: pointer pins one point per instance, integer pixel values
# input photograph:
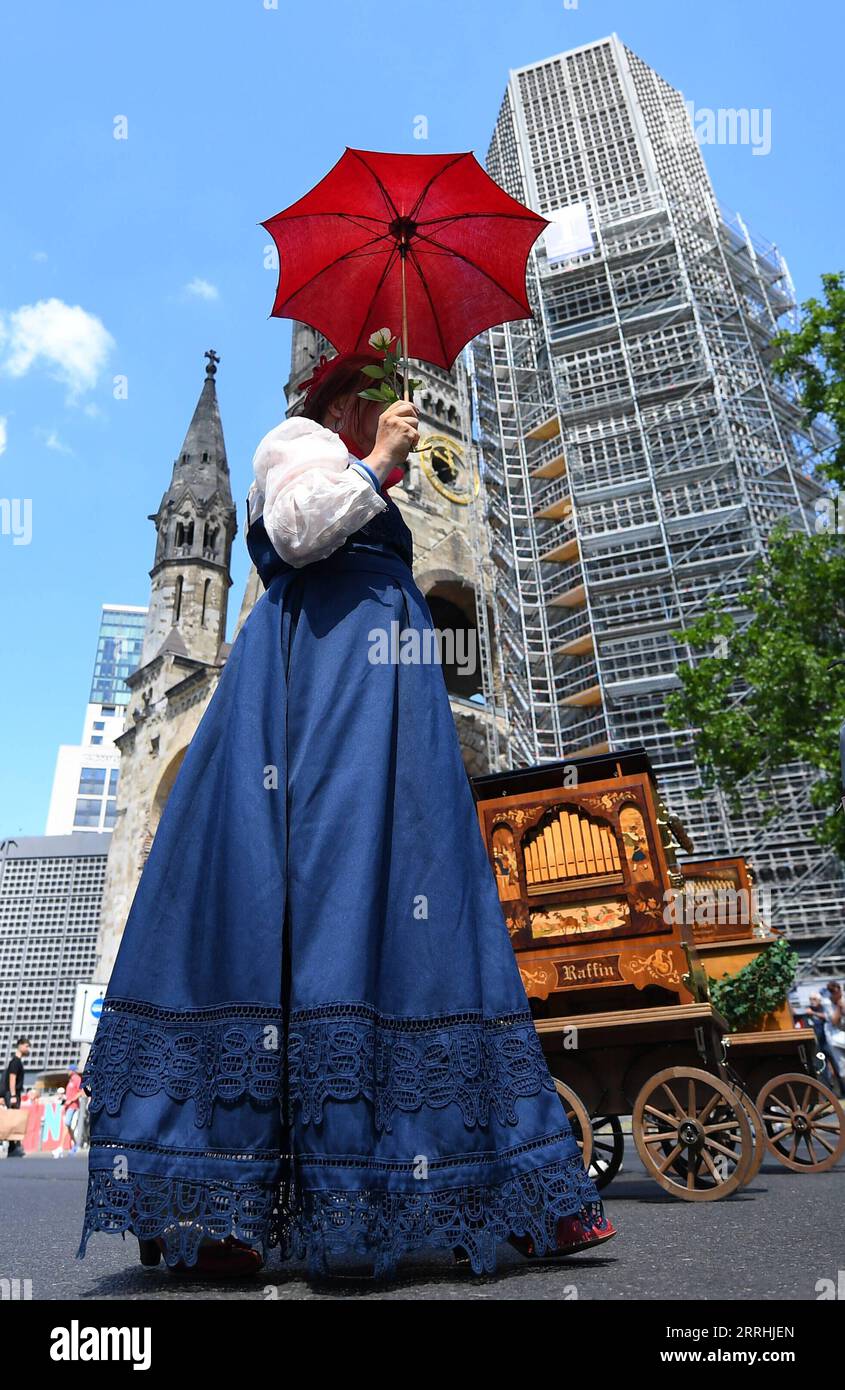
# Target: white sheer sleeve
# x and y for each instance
(311, 499)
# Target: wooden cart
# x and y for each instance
(803, 1120)
(584, 857)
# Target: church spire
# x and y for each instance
(195, 524)
(201, 463)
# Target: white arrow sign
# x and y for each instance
(86, 1012)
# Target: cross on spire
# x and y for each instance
(213, 359)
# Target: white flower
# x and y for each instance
(381, 339)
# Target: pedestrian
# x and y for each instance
(12, 1089)
(71, 1106)
(818, 1021)
(316, 1034)
(834, 1009)
(81, 1132)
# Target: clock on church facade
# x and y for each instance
(448, 467)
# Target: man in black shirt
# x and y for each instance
(12, 1088)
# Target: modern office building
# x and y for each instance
(51, 890)
(637, 450)
(86, 775)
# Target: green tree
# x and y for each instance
(815, 357)
(769, 687)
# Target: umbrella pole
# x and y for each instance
(406, 395)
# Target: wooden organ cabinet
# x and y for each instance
(584, 859)
(614, 944)
(720, 900)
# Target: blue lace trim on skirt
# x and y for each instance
(379, 1226)
(337, 1052)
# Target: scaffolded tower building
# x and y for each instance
(636, 449)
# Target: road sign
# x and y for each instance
(86, 1012)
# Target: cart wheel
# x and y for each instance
(608, 1149)
(805, 1123)
(758, 1130)
(579, 1120)
(149, 1252)
(693, 1134)
(721, 1113)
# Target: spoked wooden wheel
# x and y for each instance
(693, 1134)
(731, 1136)
(758, 1131)
(608, 1149)
(579, 1120)
(805, 1124)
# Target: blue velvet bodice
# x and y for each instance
(385, 532)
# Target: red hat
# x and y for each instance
(331, 377)
(310, 383)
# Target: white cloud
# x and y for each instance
(202, 289)
(71, 343)
(3, 434)
(51, 440)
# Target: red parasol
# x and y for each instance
(426, 240)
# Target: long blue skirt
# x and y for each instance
(316, 1036)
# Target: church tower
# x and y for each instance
(195, 525)
(182, 657)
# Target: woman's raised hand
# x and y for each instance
(398, 433)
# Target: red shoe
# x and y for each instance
(221, 1259)
(574, 1233)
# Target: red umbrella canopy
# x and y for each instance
(463, 239)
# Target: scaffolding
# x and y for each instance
(637, 451)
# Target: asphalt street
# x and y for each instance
(777, 1239)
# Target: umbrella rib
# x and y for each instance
(387, 198)
(424, 284)
(330, 212)
(423, 221)
(347, 256)
(387, 265)
(464, 216)
(426, 188)
(451, 252)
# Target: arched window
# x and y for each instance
(455, 620)
(185, 533)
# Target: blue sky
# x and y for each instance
(234, 108)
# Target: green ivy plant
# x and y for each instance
(388, 376)
(759, 988)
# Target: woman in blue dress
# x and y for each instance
(315, 1035)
